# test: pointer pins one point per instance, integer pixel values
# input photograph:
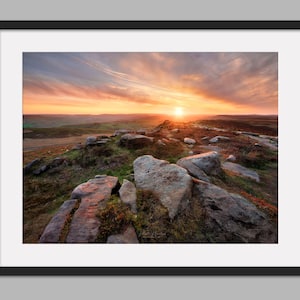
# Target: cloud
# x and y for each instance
(238, 81)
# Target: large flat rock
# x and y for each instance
(240, 171)
(127, 237)
(53, 230)
(93, 195)
(135, 141)
(171, 183)
(201, 165)
(231, 217)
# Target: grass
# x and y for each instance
(152, 223)
(44, 194)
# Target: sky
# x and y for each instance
(150, 82)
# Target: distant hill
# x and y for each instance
(50, 121)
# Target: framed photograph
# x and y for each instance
(149, 148)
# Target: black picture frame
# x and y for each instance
(150, 25)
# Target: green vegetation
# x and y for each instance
(152, 222)
(44, 194)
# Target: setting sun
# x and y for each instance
(178, 112)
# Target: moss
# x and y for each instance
(114, 218)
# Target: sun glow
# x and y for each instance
(178, 112)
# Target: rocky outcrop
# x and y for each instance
(30, 166)
(53, 231)
(127, 194)
(135, 141)
(232, 218)
(121, 131)
(240, 171)
(91, 140)
(219, 138)
(127, 237)
(169, 182)
(231, 158)
(201, 165)
(189, 141)
(93, 195)
(192, 169)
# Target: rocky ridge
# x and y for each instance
(226, 217)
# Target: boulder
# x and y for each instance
(28, 168)
(135, 141)
(121, 131)
(41, 170)
(78, 146)
(192, 169)
(232, 218)
(127, 237)
(127, 194)
(231, 158)
(240, 171)
(201, 165)
(141, 131)
(160, 143)
(91, 140)
(53, 230)
(219, 138)
(189, 141)
(93, 195)
(56, 162)
(169, 182)
(175, 130)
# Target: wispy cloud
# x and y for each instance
(199, 82)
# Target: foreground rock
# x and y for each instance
(189, 141)
(169, 182)
(128, 237)
(232, 218)
(29, 167)
(93, 195)
(201, 165)
(127, 194)
(240, 171)
(135, 141)
(91, 140)
(219, 138)
(53, 231)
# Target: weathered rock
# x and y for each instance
(78, 146)
(160, 143)
(29, 167)
(91, 140)
(121, 131)
(102, 137)
(240, 171)
(201, 165)
(169, 182)
(192, 169)
(53, 230)
(210, 148)
(219, 138)
(232, 218)
(56, 162)
(41, 170)
(94, 195)
(135, 141)
(175, 130)
(127, 194)
(189, 141)
(231, 158)
(174, 140)
(128, 237)
(141, 131)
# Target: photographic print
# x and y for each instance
(150, 147)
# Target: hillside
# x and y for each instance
(212, 180)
